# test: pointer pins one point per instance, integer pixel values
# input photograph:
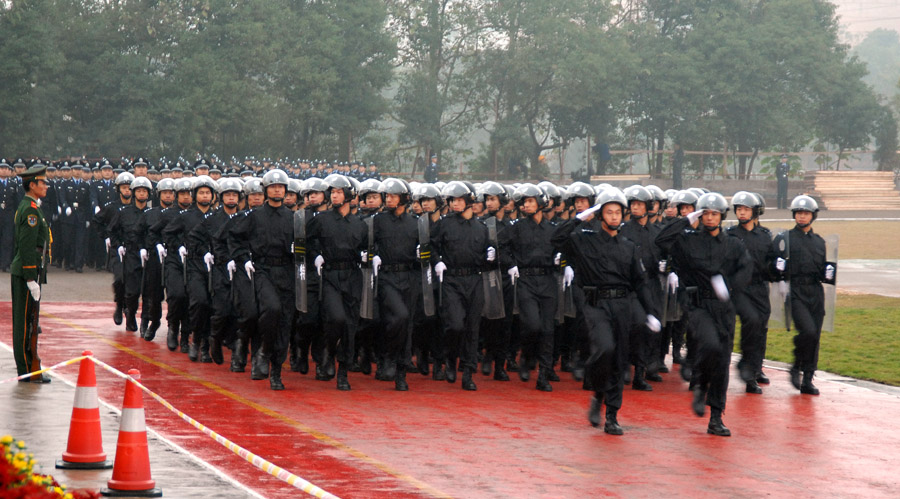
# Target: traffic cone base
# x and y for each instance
(85, 446)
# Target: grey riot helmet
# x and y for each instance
(805, 203)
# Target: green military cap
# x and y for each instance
(38, 171)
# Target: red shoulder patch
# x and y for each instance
(33, 205)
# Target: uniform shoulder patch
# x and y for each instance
(33, 205)
(32, 220)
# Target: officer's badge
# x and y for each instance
(32, 220)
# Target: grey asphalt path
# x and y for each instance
(40, 415)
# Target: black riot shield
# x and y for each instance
(671, 311)
(780, 291)
(493, 285)
(425, 263)
(566, 300)
(367, 299)
(300, 284)
(829, 280)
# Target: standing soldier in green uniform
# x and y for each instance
(32, 240)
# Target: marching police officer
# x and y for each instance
(102, 221)
(152, 292)
(127, 236)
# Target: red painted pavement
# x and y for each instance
(505, 440)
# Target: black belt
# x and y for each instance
(274, 261)
(347, 265)
(397, 267)
(537, 271)
(593, 294)
(805, 279)
(463, 272)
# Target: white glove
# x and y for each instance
(653, 324)
(780, 264)
(663, 265)
(718, 284)
(144, 256)
(513, 273)
(68, 210)
(784, 289)
(75, 205)
(491, 254)
(35, 289)
(587, 213)
(829, 272)
(232, 267)
(209, 259)
(121, 252)
(87, 225)
(376, 262)
(568, 276)
(182, 253)
(557, 259)
(161, 251)
(364, 256)
(418, 251)
(96, 210)
(59, 210)
(439, 270)
(694, 216)
(672, 282)
(107, 243)
(318, 263)
(249, 269)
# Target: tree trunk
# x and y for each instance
(660, 145)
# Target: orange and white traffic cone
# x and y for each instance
(131, 472)
(85, 448)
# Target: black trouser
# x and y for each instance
(223, 317)
(274, 287)
(461, 307)
(176, 294)
(808, 312)
(609, 324)
(199, 308)
(711, 323)
(66, 239)
(538, 301)
(782, 194)
(76, 245)
(752, 305)
(152, 292)
(7, 230)
(309, 324)
(116, 266)
(426, 335)
(131, 274)
(246, 308)
(395, 302)
(340, 311)
(496, 331)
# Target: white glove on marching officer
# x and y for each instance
(35, 289)
(121, 252)
(209, 260)
(694, 216)
(718, 285)
(418, 251)
(672, 282)
(568, 276)
(491, 254)
(232, 267)
(557, 259)
(584, 215)
(96, 210)
(663, 265)
(653, 324)
(319, 262)
(513, 273)
(249, 269)
(161, 251)
(144, 257)
(107, 243)
(68, 210)
(829, 272)
(439, 270)
(780, 264)
(364, 256)
(182, 253)
(376, 262)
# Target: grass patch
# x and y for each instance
(864, 345)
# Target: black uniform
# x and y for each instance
(645, 344)
(152, 292)
(752, 302)
(461, 245)
(101, 221)
(78, 198)
(176, 292)
(10, 196)
(126, 230)
(806, 268)
(699, 257)
(102, 192)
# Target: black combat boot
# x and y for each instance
(543, 383)
(130, 321)
(172, 337)
(699, 402)
(438, 373)
(275, 377)
(612, 425)
(185, 339)
(639, 383)
(343, 384)
(215, 350)
(716, 426)
(239, 356)
(144, 324)
(117, 315)
(524, 373)
(151, 331)
(400, 381)
(486, 365)
(451, 371)
(594, 410)
(259, 365)
(467, 383)
(388, 370)
(499, 372)
(795, 376)
(204, 351)
(194, 348)
(422, 363)
(807, 386)
(762, 379)
(753, 387)
(303, 359)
